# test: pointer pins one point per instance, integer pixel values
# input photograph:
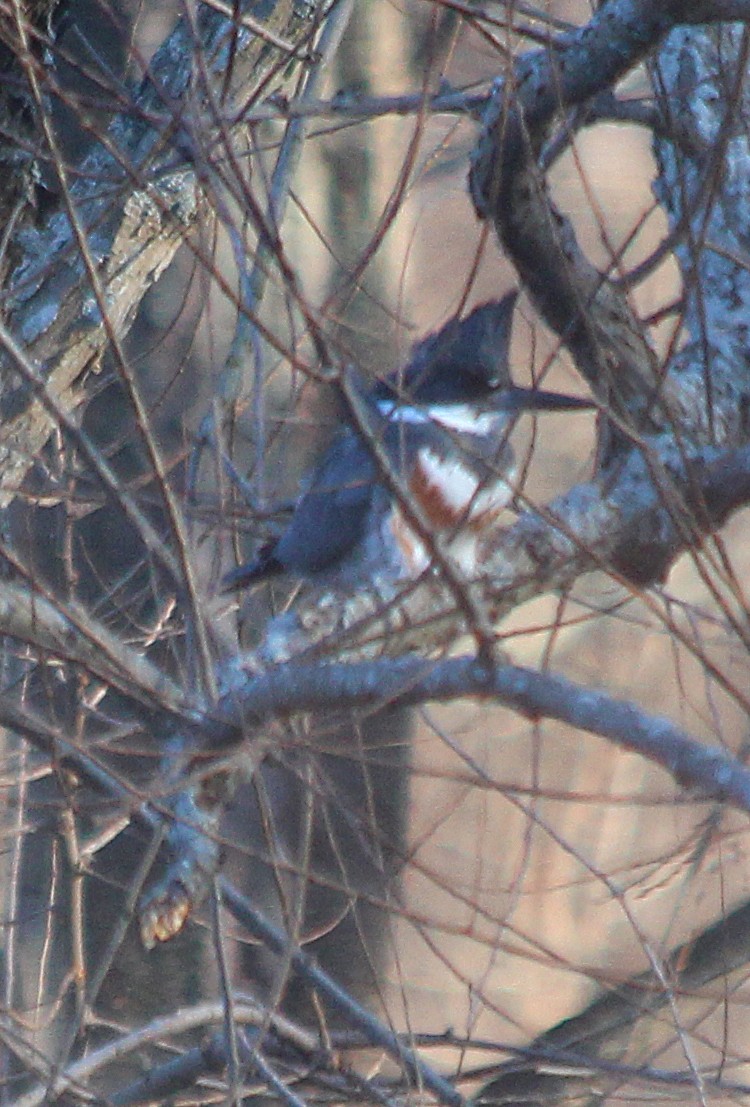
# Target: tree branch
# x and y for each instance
(136, 197)
(603, 1029)
(583, 306)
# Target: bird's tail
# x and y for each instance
(264, 566)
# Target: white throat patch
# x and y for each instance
(457, 417)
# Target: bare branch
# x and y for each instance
(591, 316)
(602, 1030)
(375, 1032)
(135, 198)
(406, 681)
(71, 633)
(589, 313)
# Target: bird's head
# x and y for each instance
(462, 371)
(465, 361)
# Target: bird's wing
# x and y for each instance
(331, 518)
(328, 521)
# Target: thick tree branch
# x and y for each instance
(136, 195)
(591, 315)
(408, 680)
(586, 309)
(72, 634)
(700, 79)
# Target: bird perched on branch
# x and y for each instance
(432, 459)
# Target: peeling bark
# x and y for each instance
(122, 214)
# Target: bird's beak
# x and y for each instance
(536, 399)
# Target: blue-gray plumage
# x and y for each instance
(443, 423)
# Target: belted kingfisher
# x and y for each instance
(443, 422)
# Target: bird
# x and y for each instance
(443, 423)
